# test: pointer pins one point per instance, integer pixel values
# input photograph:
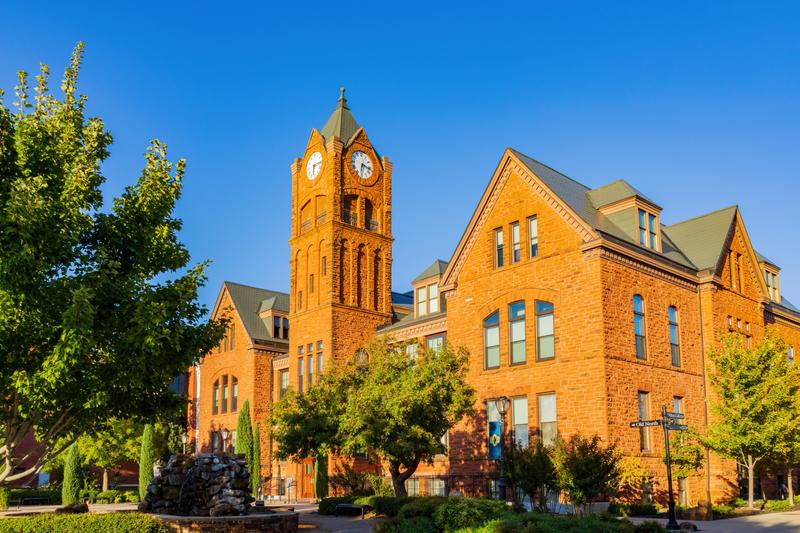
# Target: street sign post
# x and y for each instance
(668, 421)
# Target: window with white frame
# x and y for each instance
(428, 299)
(648, 229)
(533, 237)
(491, 340)
(519, 420)
(434, 342)
(545, 331)
(498, 248)
(516, 244)
(516, 332)
(643, 399)
(548, 421)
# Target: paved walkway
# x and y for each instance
(771, 522)
(311, 521)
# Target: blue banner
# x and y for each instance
(494, 440)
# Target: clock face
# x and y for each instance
(314, 165)
(362, 164)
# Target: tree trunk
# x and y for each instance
(399, 478)
(790, 483)
(750, 485)
(105, 479)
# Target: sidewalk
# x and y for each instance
(772, 522)
(310, 520)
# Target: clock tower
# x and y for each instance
(341, 247)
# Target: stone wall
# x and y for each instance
(206, 485)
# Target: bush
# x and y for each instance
(417, 524)
(537, 522)
(147, 459)
(15, 495)
(777, 505)
(3, 498)
(722, 511)
(421, 507)
(73, 477)
(328, 505)
(384, 505)
(648, 527)
(738, 502)
(108, 496)
(633, 509)
(130, 496)
(458, 512)
(83, 523)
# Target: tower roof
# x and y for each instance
(341, 123)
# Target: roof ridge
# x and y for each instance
(734, 206)
(551, 168)
(253, 287)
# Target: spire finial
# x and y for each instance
(341, 95)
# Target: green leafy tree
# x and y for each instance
(244, 434)
(73, 476)
(401, 407)
(147, 459)
(754, 404)
(320, 477)
(119, 442)
(685, 454)
(98, 310)
(255, 466)
(384, 401)
(586, 467)
(531, 469)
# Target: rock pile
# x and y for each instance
(206, 485)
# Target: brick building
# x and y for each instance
(579, 304)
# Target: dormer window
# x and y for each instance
(648, 229)
(427, 299)
(773, 287)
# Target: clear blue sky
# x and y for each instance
(695, 103)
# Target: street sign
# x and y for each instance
(645, 423)
(677, 416)
(677, 427)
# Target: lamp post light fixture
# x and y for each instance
(224, 440)
(184, 440)
(501, 404)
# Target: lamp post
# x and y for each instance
(501, 404)
(184, 439)
(224, 440)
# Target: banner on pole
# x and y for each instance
(494, 440)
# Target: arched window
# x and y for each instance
(226, 395)
(674, 336)
(370, 218)
(491, 340)
(639, 326)
(350, 210)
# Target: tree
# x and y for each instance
(244, 434)
(401, 407)
(586, 467)
(630, 476)
(98, 310)
(73, 477)
(320, 477)
(119, 442)
(685, 455)
(531, 469)
(147, 459)
(384, 401)
(255, 467)
(754, 405)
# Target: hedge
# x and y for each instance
(83, 523)
(545, 523)
(418, 524)
(777, 505)
(633, 509)
(385, 505)
(3, 498)
(424, 507)
(458, 512)
(328, 505)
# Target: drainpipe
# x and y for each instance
(705, 395)
(197, 410)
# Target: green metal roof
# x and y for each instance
(250, 301)
(437, 268)
(341, 124)
(614, 192)
(702, 239)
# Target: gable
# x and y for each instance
(739, 255)
(537, 182)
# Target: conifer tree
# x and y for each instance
(255, 465)
(73, 477)
(146, 460)
(244, 434)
